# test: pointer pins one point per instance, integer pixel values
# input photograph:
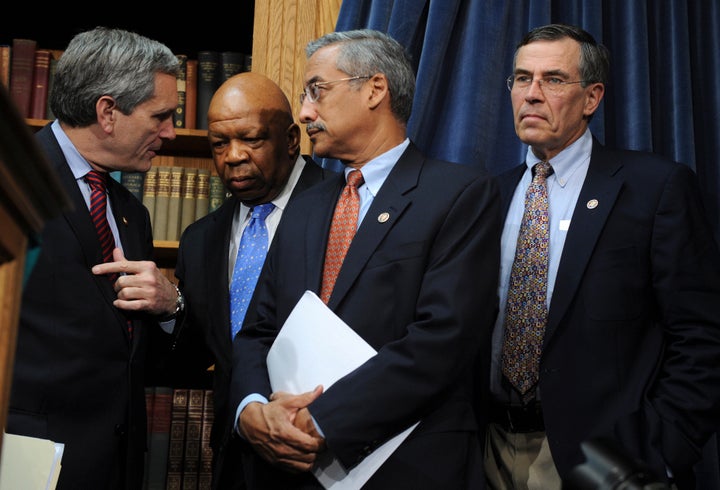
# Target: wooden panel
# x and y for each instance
(281, 30)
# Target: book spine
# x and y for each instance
(217, 193)
(159, 447)
(206, 453)
(191, 73)
(188, 194)
(149, 402)
(176, 444)
(181, 89)
(193, 429)
(173, 221)
(202, 197)
(231, 63)
(22, 62)
(134, 182)
(162, 201)
(149, 193)
(5, 65)
(207, 82)
(39, 92)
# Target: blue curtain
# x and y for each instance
(663, 95)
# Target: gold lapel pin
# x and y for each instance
(124, 220)
(383, 217)
(592, 204)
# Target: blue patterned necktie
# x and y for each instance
(526, 308)
(249, 262)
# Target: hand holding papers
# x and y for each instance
(315, 347)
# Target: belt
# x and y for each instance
(518, 418)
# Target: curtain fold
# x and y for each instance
(663, 94)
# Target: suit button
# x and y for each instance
(120, 430)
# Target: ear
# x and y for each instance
(293, 136)
(593, 95)
(380, 91)
(105, 108)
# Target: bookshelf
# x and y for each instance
(276, 31)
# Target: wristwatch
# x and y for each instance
(179, 303)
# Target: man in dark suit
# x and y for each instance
(428, 236)
(256, 151)
(79, 369)
(632, 338)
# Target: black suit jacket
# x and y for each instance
(204, 334)
(78, 377)
(632, 343)
(420, 288)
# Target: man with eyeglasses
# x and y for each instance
(418, 283)
(628, 319)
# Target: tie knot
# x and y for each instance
(97, 180)
(355, 178)
(261, 211)
(543, 169)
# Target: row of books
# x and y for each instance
(179, 456)
(28, 73)
(175, 196)
(198, 80)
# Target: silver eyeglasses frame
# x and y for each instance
(312, 91)
(552, 84)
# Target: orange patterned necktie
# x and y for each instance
(342, 231)
(526, 308)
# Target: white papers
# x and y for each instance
(316, 347)
(29, 463)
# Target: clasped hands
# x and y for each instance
(282, 431)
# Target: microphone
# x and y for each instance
(607, 467)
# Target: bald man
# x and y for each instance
(256, 152)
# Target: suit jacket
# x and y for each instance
(78, 376)
(632, 342)
(202, 269)
(420, 288)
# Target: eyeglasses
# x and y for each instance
(312, 91)
(551, 84)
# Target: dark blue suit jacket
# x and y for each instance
(420, 288)
(78, 377)
(632, 344)
(203, 331)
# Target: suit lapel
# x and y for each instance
(216, 259)
(386, 209)
(597, 198)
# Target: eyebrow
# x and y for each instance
(547, 73)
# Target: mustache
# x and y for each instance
(314, 126)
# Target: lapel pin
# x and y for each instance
(383, 217)
(592, 203)
(124, 220)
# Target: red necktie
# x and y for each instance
(342, 231)
(98, 212)
(526, 309)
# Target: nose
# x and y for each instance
(236, 153)
(167, 130)
(535, 90)
(307, 111)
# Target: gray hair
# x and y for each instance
(594, 65)
(105, 61)
(365, 52)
